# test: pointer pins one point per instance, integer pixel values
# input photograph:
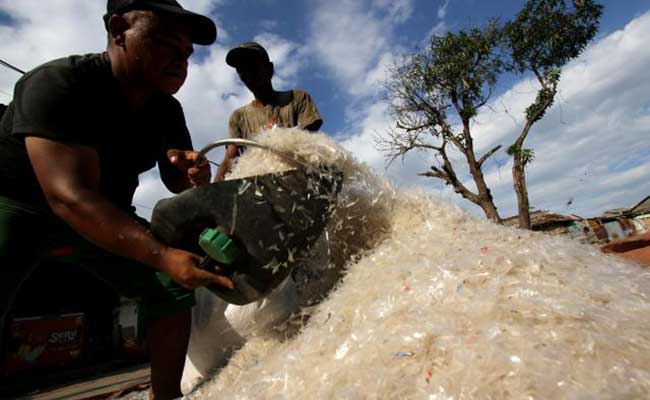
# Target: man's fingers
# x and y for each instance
(199, 176)
(218, 270)
(185, 157)
(193, 156)
(194, 171)
(224, 281)
(174, 156)
(200, 173)
(208, 278)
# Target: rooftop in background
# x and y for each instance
(542, 218)
(643, 207)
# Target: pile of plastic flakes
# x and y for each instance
(438, 304)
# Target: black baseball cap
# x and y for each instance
(204, 31)
(244, 53)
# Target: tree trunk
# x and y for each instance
(519, 179)
(490, 210)
(485, 199)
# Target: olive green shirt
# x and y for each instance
(295, 108)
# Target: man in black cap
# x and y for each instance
(72, 144)
(293, 108)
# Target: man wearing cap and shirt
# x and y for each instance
(72, 144)
(293, 108)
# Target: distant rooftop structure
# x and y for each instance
(643, 207)
(613, 225)
(541, 219)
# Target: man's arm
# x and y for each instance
(309, 118)
(71, 187)
(224, 168)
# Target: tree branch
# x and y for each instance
(435, 173)
(488, 155)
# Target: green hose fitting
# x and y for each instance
(219, 246)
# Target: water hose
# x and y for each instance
(252, 143)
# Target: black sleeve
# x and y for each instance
(47, 104)
(177, 136)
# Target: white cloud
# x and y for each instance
(441, 27)
(351, 38)
(269, 24)
(51, 29)
(373, 121)
(285, 56)
(201, 6)
(442, 10)
(398, 10)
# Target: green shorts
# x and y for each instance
(29, 236)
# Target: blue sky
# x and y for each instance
(245, 19)
(592, 148)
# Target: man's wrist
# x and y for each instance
(159, 258)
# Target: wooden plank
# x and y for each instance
(109, 383)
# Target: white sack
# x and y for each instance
(219, 328)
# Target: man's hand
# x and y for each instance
(184, 160)
(182, 267)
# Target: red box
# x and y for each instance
(44, 341)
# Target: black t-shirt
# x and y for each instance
(76, 100)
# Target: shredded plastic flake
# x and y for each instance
(438, 304)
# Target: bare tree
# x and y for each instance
(437, 93)
(455, 75)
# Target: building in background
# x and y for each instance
(623, 231)
(616, 224)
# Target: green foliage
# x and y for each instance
(527, 155)
(464, 65)
(545, 96)
(458, 70)
(546, 34)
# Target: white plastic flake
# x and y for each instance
(491, 312)
(342, 351)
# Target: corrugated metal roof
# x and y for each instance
(643, 207)
(540, 219)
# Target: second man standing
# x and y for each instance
(293, 108)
